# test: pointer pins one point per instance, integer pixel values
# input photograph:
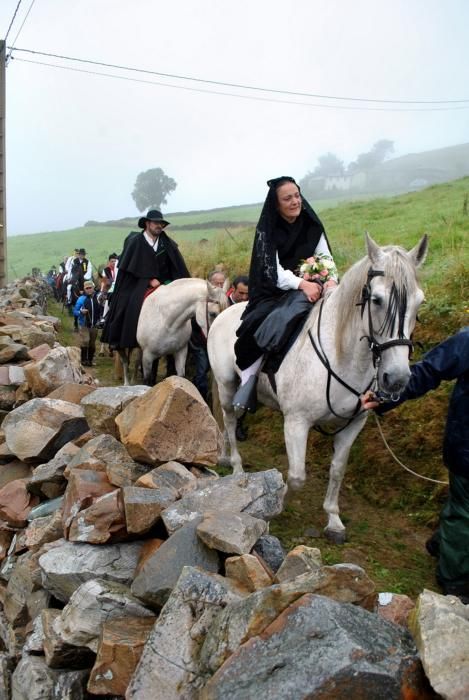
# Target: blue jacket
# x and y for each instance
(448, 360)
(91, 303)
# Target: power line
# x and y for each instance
(245, 97)
(238, 85)
(12, 20)
(19, 30)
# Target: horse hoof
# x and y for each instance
(335, 536)
(224, 462)
(295, 484)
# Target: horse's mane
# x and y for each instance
(398, 269)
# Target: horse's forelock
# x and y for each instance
(396, 265)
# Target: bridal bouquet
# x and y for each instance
(320, 265)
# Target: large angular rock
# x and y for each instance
(232, 533)
(103, 521)
(35, 431)
(260, 495)
(7, 397)
(394, 607)
(105, 453)
(440, 627)
(43, 530)
(119, 650)
(299, 560)
(59, 366)
(58, 653)
(103, 405)
(168, 668)
(24, 580)
(160, 572)
(170, 475)
(48, 479)
(143, 507)
(13, 352)
(66, 566)
(270, 549)
(16, 502)
(16, 469)
(94, 603)
(248, 571)
(318, 648)
(170, 422)
(34, 680)
(247, 618)
(72, 392)
(84, 488)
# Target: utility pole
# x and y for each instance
(3, 203)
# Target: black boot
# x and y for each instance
(245, 398)
(241, 429)
(84, 356)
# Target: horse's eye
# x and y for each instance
(377, 301)
(212, 314)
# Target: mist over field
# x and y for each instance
(221, 96)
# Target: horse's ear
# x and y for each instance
(226, 284)
(419, 252)
(374, 251)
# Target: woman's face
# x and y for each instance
(289, 201)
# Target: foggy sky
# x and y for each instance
(76, 141)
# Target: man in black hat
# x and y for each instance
(149, 258)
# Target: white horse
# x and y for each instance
(164, 324)
(357, 337)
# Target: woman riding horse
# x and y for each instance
(288, 232)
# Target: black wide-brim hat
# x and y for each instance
(153, 215)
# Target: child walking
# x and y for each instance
(87, 311)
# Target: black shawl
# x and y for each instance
(292, 242)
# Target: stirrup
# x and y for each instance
(245, 398)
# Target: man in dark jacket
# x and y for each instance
(448, 360)
(149, 258)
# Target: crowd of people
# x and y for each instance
(278, 300)
(110, 298)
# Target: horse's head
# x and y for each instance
(207, 310)
(390, 300)
(381, 295)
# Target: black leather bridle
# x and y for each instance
(377, 348)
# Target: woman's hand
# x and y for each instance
(311, 290)
(330, 283)
(154, 283)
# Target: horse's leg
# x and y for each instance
(147, 364)
(180, 361)
(135, 361)
(124, 358)
(226, 392)
(343, 441)
(296, 429)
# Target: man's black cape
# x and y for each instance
(138, 264)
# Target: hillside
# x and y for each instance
(441, 211)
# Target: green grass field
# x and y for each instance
(42, 250)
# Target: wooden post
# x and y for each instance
(3, 208)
